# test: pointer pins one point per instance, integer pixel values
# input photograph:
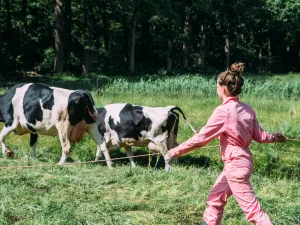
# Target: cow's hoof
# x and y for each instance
(9, 153)
(167, 168)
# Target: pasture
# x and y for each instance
(93, 194)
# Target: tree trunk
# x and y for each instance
(6, 4)
(169, 58)
(86, 68)
(6, 35)
(125, 38)
(270, 61)
(24, 14)
(186, 44)
(8, 30)
(146, 40)
(59, 46)
(67, 31)
(260, 58)
(132, 39)
(297, 52)
(105, 27)
(201, 59)
(227, 48)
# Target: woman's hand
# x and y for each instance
(279, 137)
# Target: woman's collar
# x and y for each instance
(231, 98)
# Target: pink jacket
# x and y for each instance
(236, 125)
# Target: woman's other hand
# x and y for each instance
(279, 137)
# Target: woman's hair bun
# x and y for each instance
(237, 67)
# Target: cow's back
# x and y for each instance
(133, 125)
(38, 107)
(130, 122)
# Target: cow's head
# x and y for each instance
(91, 114)
(101, 112)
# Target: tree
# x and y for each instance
(133, 22)
(88, 45)
(59, 45)
(139, 35)
(203, 10)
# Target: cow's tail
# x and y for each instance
(172, 108)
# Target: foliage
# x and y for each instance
(27, 33)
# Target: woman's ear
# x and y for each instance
(224, 89)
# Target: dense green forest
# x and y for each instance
(113, 36)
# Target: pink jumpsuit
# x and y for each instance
(236, 125)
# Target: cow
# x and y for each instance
(35, 108)
(126, 125)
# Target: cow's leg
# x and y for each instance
(64, 137)
(163, 149)
(102, 148)
(129, 153)
(92, 130)
(33, 142)
(174, 145)
(99, 152)
(6, 131)
(66, 147)
(167, 162)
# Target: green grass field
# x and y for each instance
(93, 194)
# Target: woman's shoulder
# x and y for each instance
(247, 107)
(222, 108)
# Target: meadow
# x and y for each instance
(93, 194)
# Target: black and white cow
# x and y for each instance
(126, 125)
(40, 109)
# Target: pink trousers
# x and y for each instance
(235, 180)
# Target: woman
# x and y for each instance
(236, 125)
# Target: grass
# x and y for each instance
(93, 194)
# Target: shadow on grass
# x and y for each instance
(157, 161)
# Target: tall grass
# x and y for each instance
(203, 86)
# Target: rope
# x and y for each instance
(292, 139)
(190, 125)
(79, 163)
(104, 160)
(75, 163)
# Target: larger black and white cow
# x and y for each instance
(41, 109)
(126, 125)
